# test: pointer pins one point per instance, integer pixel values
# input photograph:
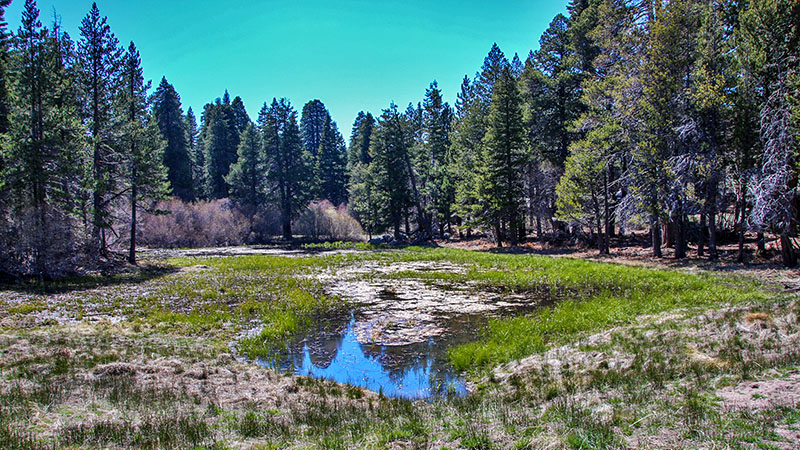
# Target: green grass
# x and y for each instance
(26, 308)
(274, 290)
(588, 297)
(193, 315)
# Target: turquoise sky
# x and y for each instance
(352, 54)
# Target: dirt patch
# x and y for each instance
(763, 394)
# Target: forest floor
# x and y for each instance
(573, 353)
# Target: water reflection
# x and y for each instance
(408, 371)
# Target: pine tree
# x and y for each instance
(289, 166)
(331, 165)
(196, 152)
(240, 117)
(361, 183)
(504, 153)
(472, 109)
(99, 56)
(770, 45)
(560, 104)
(177, 157)
(246, 177)
(46, 144)
(435, 162)
(312, 125)
(666, 156)
(146, 174)
(220, 141)
(360, 139)
(389, 150)
(5, 39)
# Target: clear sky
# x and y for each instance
(351, 54)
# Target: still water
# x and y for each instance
(410, 371)
(395, 339)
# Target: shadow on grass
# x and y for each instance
(120, 276)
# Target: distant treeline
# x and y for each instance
(643, 113)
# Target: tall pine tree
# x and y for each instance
(289, 166)
(146, 175)
(504, 153)
(177, 157)
(99, 56)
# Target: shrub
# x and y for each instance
(198, 224)
(322, 220)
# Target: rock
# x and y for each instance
(387, 238)
(376, 241)
(446, 236)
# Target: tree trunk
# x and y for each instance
(667, 234)
(539, 228)
(599, 237)
(287, 227)
(655, 235)
(760, 243)
(132, 251)
(788, 255)
(701, 240)
(680, 241)
(740, 253)
(712, 233)
(498, 237)
(606, 216)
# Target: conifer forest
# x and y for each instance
(594, 246)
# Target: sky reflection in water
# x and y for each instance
(410, 371)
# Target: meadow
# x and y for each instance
(587, 355)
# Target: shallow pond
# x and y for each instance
(395, 340)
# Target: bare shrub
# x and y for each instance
(199, 224)
(46, 242)
(322, 220)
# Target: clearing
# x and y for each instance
(413, 348)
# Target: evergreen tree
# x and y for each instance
(99, 56)
(220, 141)
(312, 125)
(177, 157)
(146, 174)
(289, 166)
(246, 177)
(770, 45)
(665, 157)
(240, 117)
(470, 127)
(331, 165)
(196, 152)
(360, 139)
(46, 144)
(365, 199)
(361, 182)
(504, 153)
(5, 39)
(389, 150)
(560, 103)
(435, 162)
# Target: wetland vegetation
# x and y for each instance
(529, 351)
